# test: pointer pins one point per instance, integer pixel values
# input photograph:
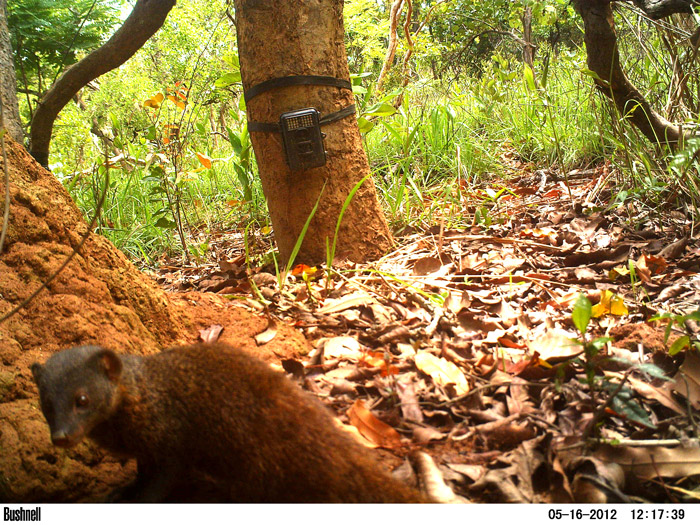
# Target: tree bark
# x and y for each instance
(528, 46)
(604, 60)
(278, 38)
(8, 83)
(145, 19)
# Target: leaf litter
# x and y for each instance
(462, 343)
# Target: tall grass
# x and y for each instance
(447, 138)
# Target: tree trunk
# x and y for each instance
(145, 19)
(604, 60)
(528, 46)
(279, 38)
(8, 84)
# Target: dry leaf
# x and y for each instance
(266, 336)
(687, 381)
(473, 472)
(206, 161)
(341, 347)
(372, 428)
(355, 433)
(427, 434)
(426, 265)
(675, 249)
(348, 301)
(442, 371)
(516, 482)
(409, 401)
(211, 334)
(432, 479)
(651, 462)
(596, 481)
(556, 346)
(662, 395)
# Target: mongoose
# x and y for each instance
(212, 409)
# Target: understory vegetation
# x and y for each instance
(457, 115)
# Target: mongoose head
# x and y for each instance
(78, 389)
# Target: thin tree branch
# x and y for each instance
(143, 22)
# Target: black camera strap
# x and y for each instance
(298, 80)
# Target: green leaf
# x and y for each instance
(590, 73)
(679, 344)
(625, 404)
(364, 125)
(391, 129)
(227, 79)
(581, 314)
(599, 342)
(381, 109)
(235, 141)
(632, 411)
(331, 253)
(302, 234)
(529, 77)
(653, 371)
(165, 223)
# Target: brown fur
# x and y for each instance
(215, 410)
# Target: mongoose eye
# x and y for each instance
(81, 400)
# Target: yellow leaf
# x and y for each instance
(154, 101)
(618, 271)
(442, 371)
(176, 101)
(610, 303)
(206, 161)
(302, 268)
(617, 306)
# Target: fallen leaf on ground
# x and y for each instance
(343, 303)
(442, 371)
(651, 462)
(556, 346)
(211, 334)
(344, 347)
(610, 303)
(371, 427)
(687, 381)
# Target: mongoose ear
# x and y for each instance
(111, 364)
(37, 369)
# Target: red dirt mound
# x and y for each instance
(99, 298)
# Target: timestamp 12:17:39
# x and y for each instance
(658, 514)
